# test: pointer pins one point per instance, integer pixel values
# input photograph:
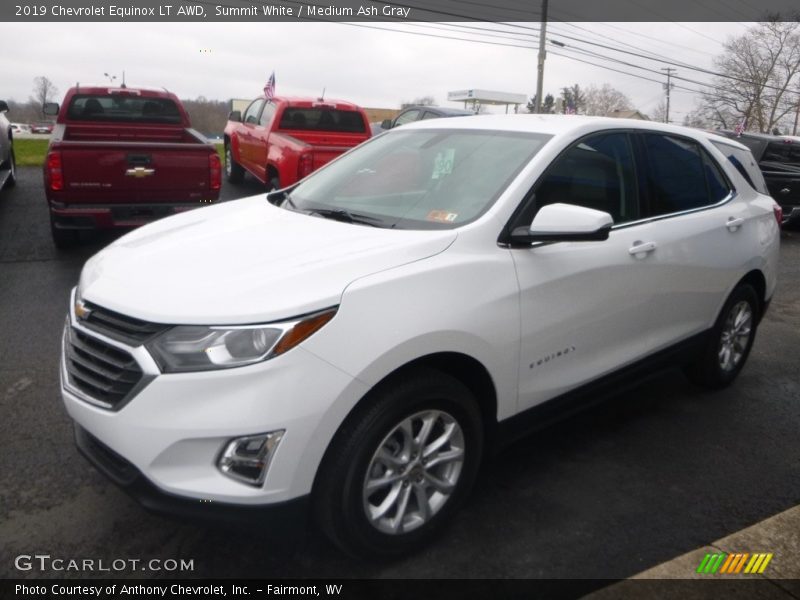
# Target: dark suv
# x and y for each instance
(778, 157)
(419, 113)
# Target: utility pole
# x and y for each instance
(796, 117)
(668, 86)
(542, 56)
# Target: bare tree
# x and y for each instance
(43, 90)
(660, 112)
(602, 101)
(762, 69)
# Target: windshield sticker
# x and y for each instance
(443, 164)
(442, 216)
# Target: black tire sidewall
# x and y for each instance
(708, 371)
(352, 531)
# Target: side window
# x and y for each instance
(266, 116)
(597, 173)
(718, 186)
(429, 115)
(407, 117)
(744, 162)
(677, 173)
(251, 114)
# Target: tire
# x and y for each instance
(12, 163)
(273, 184)
(64, 239)
(729, 342)
(234, 172)
(373, 446)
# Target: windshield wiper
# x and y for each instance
(346, 216)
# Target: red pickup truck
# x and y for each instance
(281, 140)
(120, 157)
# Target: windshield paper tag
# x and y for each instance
(442, 216)
(443, 164)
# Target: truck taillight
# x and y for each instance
(776, 208)
(215, 171)
(54, 173)
(305, 165)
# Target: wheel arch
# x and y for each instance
(756, 279)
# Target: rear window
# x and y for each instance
(123, 108)
(322, 119)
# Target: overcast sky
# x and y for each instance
(370, 67)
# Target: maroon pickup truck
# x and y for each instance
(120, 157)
(281, 140)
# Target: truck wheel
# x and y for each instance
(273, 184)
(12, 164)
(730, 341)
(234, 172)
(398, 469)
(63, 239)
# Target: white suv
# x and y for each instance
(352, 347)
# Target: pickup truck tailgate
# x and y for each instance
(118, 172)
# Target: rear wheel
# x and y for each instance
(399, 468)
(730, 341)
(234, 172)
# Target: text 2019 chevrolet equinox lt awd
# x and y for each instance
(351, 347)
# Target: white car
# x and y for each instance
(8, 166)
(351, 347)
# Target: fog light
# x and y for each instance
(247, 459)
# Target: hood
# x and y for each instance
(245, 261)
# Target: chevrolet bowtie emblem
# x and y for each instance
(140, 172)
(81, 310)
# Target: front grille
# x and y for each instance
(122, 328)
(102, 372)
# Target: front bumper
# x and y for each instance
(287, 518)
(172, 431)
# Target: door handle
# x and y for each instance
(734, 223)
(641, 248)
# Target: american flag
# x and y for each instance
(269, 89)
(740, 128)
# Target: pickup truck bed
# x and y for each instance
(281, 140)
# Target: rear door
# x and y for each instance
(698, 229)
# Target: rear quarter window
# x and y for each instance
(744, 162)
(124, 109)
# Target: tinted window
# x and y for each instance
(597, 173)
(676, 176)
(407, 117)
(782, 152)
(430, 115)
(251, 114)
(123, 108)
(718, 186)
(322, 119)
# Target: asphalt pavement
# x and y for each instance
(657, 472)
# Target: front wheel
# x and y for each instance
(729, 342)
(399, 468)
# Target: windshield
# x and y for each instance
(418, 179)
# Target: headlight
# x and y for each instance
(200, 348)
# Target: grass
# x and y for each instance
(31, 152)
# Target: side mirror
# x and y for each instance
(50, 109)
(386, 124)
(3, 106)
(565, 223)
(235, 115)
